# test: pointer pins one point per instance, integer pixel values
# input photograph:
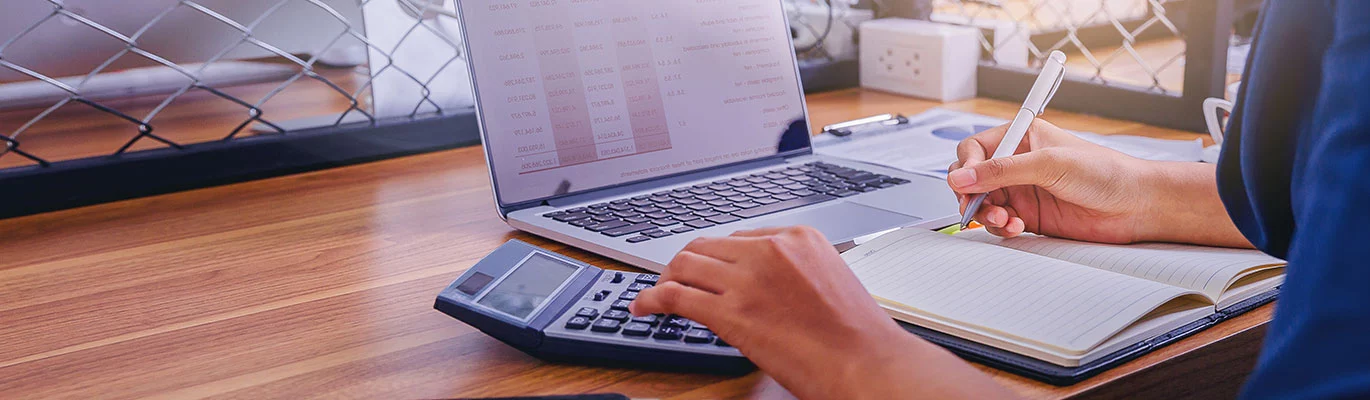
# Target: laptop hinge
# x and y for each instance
(619, 191)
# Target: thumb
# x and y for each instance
(1043, 168)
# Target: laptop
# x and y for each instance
(629, 128)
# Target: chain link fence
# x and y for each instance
(168, 52)
(1134, 42)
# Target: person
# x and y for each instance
(1292, 181)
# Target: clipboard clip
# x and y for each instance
(844, 129)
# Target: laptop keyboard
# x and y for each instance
(684, 209)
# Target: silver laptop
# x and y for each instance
(629, 128)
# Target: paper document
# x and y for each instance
(927, 144)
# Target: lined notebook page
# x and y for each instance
(1003, 292)
(1208, 270)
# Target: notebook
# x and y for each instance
(1062, 302)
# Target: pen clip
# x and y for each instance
(1052, 93)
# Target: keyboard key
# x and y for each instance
(571, 217)
(795, 186)
(638, 239)
(647, 210)
(620, 305)
(576, 210)
(664, 222)
(739, 183)
(658, 215)
(897, 181)
(766, 201)
(640, 203)
(726, 209)
(577, 323)
(605, 325)
(688, 202)
(604, 218)
(678, 211)
(803, 193)
(603, 294)
(626, 214)
(635, 287)
(599, 211)
(668, 333)
(630, 229)
(725, 218)
(707, 197)
(750, 189)
(660, 199)
(649, 319)
(683, 229)
(636, 329)
(697, 325)
(583, 223)
(658, 234)
(637, 220)
(676, 321)
(766, 185)
(717, 203)
(844, 193)
(620, 207)
(746, 204)
(700, 224)
(707, 213)
(728, 193)
(619, 201)
(662, 193)
(681, 195)
(648, 278)
(782, 206)
(599, 206)
(737, 198)
(786, 196)
(607, 226)
(883, 185)
(587, 312)
(630, 296)
(756, 179)
(617, 315)
(668, 205)
(700, 191)
(776, 190)
(792, 171)
(719, 187)
(554, 214)
(686, 217)
(698, 336)
(700, 207)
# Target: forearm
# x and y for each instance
(912, 368)
(1186, 207)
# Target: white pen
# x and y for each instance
(1042, 90)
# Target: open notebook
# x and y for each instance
(1060, 301)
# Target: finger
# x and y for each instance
(699, 271)
(978, 147)
(767, 231)
(1043, 168)
(992, 216)
(728, 249)
(675, 298)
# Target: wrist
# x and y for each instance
(1182, 206)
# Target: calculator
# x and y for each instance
(559, 309)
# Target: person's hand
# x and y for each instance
(1057, 185)
(786, 299)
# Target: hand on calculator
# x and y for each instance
(785, 298)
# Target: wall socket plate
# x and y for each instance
(919, 58)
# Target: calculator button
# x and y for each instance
(697, 325)
(628, 296)
(638, 239)
(603, 294)
(577, 323)
(648, 278)
(618, 315)
(639, 286)
(676, 321)
(722, 343)
(620, 305)
(668, 333)
(648, 319)
(605, 325)
(636, 329)
(618, 277)
(587, 312)
(699, 336)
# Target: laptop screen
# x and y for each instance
(577, 95)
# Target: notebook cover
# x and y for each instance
(1063, 376)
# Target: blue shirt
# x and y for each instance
(1295, 177)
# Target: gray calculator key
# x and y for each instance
(617, 315)
(577, 323)
(605, 325)
(636, 329)
(699, 336)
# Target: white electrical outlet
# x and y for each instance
(919, 58)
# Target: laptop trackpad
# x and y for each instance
(840, 221)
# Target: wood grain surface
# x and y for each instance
(322, 285)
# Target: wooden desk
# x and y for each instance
(322, 284)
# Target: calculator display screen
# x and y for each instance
(528, 286)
